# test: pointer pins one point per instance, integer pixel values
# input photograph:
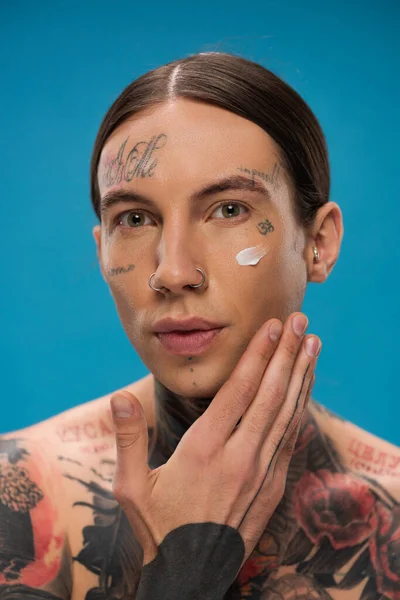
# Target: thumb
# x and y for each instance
(132, 442)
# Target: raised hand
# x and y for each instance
(199, 516)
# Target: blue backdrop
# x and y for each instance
(63, 63)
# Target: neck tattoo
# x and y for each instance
(173, 416)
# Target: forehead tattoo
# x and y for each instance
(139, 161)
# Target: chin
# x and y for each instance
(192, 385)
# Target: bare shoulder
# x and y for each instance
(336, 531)
(58, 517)
(34, 549)
(363, 453)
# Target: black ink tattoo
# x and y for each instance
(139, 162)
(18, 495)
(120, 270)
(267, 177)
(265, 227)
(331, 531)
(22, 542)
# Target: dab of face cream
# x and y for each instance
(251, 256)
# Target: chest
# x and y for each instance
(284, 564)
(329, 538)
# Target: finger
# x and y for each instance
(132, 445)
(286, 448)
(293, 407)
(269, 493)
(261, 415)
(222, 415)
(273, 484)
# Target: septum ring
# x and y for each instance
(196, 285)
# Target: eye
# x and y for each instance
(230, 209)
(131, 219)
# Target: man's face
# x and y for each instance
(167, 155)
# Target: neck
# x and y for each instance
(174, 415)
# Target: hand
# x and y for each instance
(211, 501)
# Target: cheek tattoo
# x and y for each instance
(139, 162)
(120, 270)
(265, 227)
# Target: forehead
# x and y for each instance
(200, 139)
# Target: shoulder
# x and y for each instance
(58, 517)
(361, 452)
(342, 518)
(33, 507)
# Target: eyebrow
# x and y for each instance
(235, 182)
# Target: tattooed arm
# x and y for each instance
(34, 558)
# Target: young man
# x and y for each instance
(216, 477)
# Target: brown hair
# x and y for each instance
(247, 89)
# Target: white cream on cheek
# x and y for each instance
(251, 256)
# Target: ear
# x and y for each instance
(97, 238)
(326, 234)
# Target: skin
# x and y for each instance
(204, 144)
(70, 461)
(179, 234)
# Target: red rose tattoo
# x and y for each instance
(385, 549)
(334, 506)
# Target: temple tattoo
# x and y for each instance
(140, 161)
(271, 178)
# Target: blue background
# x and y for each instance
(62, 65)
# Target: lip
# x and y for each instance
(191, 323)
(194, 343)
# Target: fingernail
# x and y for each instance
(121, 407)
(299, 324)
(275, 331)
(313, 346)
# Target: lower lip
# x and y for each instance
(193, 343)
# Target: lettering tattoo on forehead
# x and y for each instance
(140, 161)
(271, 178)
(120, 270)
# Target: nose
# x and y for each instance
(178, 268)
